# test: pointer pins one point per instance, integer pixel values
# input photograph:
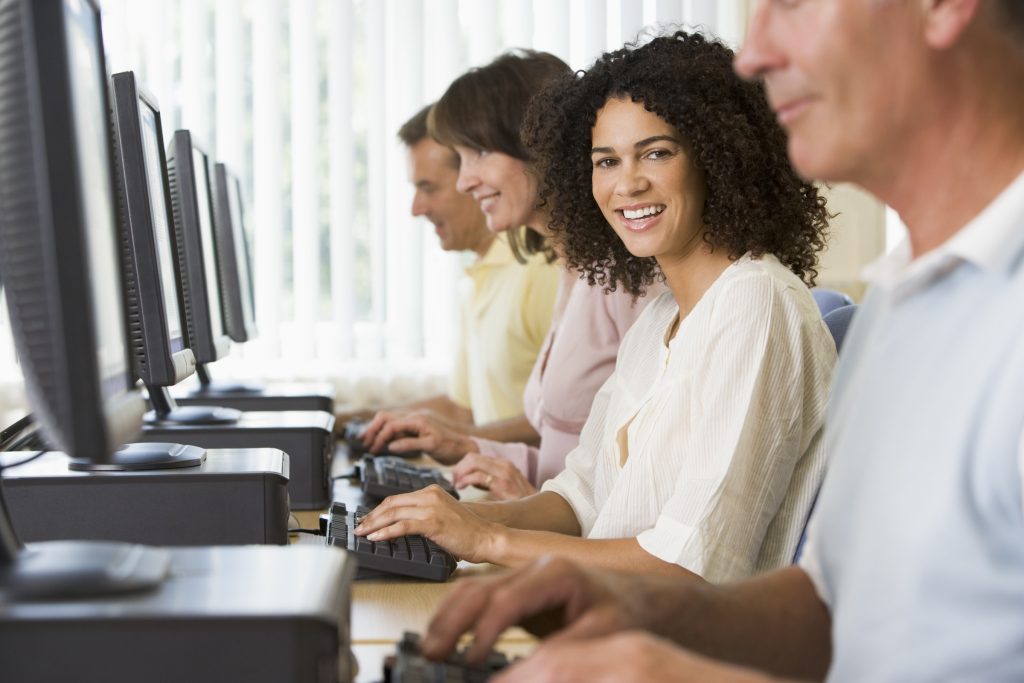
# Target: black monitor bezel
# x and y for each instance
(45, 167)
(160, 360)
(229, 255)
(206, 346)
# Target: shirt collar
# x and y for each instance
(991, 241)
(497, 255)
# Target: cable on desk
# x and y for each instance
(351, 474)
(34, 456)
(311, 532)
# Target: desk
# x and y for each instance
(383, 610)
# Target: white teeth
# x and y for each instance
(641, 213)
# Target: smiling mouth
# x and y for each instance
(643, 212)
(641, 218)
(486, 202)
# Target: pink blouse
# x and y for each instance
(576, 358)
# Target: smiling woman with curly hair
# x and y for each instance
(754, 202)
(703, 450)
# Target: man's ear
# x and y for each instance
(947, 20)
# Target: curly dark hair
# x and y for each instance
(755, 200)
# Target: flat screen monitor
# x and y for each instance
(233, 256)
(162, 357)
(189, 175)
(59, 264)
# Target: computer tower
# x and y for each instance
(306, 436)
(235, 497)
(255, 614)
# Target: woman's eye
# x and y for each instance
(604, 163)
(658, 154)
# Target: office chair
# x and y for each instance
(838, 322)
(829, 299)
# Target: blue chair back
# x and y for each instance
(829, 300)
(838, 322)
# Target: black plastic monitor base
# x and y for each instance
(215, 388)
(145, 456)
(166, 411)
(75, 569)
(208, 386)
(195, 415)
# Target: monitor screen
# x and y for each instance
(241, 251)
(88, 84)
(154, 177)
(202, 172)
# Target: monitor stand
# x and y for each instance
(166, 409)
(256, 396)
(255, 613)
(136, 457)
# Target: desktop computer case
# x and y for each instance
(235, 497)
(254, 614)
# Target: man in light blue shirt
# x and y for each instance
(914, 568)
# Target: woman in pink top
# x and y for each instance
(575, 360)
(479, 117)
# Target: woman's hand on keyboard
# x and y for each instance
(497, 475)
(431, 512)
(409, 432)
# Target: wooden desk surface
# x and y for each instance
(383, 610)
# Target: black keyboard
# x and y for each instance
(387, 476)
(353, 436)
(409, 666)
(413, 556)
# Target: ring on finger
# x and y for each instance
(489, 480)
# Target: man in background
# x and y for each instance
(505, 307)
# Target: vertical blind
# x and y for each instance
(303, 99)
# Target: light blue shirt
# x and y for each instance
(917, 542)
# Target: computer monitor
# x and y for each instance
(233, 256)
(161, 353)
(59, 264)
(188, 174)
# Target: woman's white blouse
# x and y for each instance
(709, 449)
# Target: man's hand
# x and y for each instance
(549, 594)
(627, 657)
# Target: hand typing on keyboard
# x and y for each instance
(595, 618)
(497, 475)
(410, 555)
(434, 514)
(404, 432)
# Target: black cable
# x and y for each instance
(34, 456)
(351, 474)
(311, 532)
